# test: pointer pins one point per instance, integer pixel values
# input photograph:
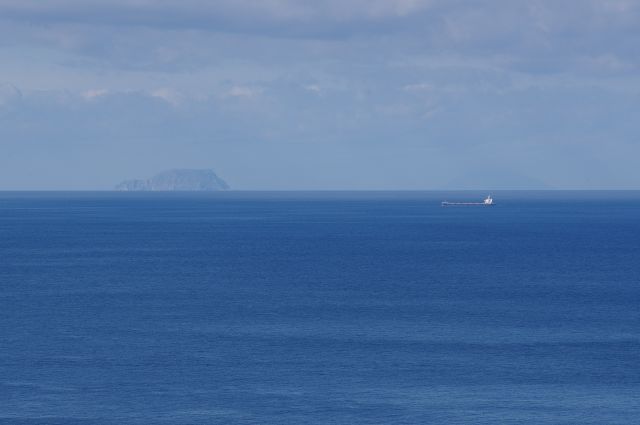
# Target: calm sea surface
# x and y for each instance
(319, 308)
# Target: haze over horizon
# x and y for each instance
(295, 95)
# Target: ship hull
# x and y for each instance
(465, 204)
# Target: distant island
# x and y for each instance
(177, 180)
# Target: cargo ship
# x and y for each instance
(488, 201)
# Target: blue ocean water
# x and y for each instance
(319, 308)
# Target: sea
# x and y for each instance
(319, 308)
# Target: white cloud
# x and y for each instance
(94, 93)
(314, 88)
(243, 92)
(419, 87)
(171, 96)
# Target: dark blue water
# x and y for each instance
(326, 308)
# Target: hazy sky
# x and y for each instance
(321, 94)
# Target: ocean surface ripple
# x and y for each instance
(319, 308)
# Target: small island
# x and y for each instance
(177, 180)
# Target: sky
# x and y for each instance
(322, 94)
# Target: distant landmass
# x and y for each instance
(177, 180)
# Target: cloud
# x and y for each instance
(243, 92)
(94, 93)
(195, 12)
(538, 36)
(386, 76)
(290, 18)
(313, 88)
(171, 96)
(418, 87)
(481, 17)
